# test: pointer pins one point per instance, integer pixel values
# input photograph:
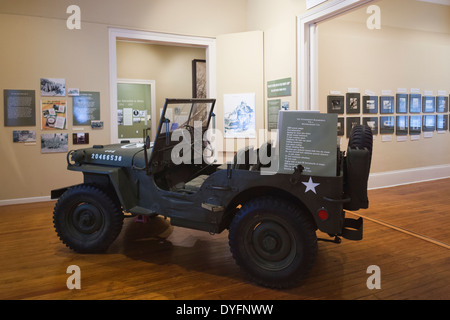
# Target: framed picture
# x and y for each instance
(372, 122)
(442, 104)
(341, 127)
(429, 123)
(54, 142)
(387, 105)
(415, 125)
(80, 138)
(239, 115)
(198, 78)
(402, 103)
(336, 104)
(351, 122)
(370, 105)
(428, 104)
(387, 125)
(53, 87)
(414, 103)
(442, 122)
(402, 125)
(353, 103)
(24, 136)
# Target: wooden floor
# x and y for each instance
(407, 236)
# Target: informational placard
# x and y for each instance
(19, 108)
(86, 107)
(308, 139)
(273, 108)
(279, 88)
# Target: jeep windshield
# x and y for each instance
(185, 113)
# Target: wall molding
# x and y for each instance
(379, 180)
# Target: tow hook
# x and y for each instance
(336, 240)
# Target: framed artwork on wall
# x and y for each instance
(335, 104)
(372, 122)
(414, 103)
(387, 125)
(415, 125)
(402, 103)
(428, 104)
(442, 122)
(402, 125)
(353, 103)
(441, 104)
(351, 122)
(370, 105)
(429, 123)
(198, 78)
(387, 105)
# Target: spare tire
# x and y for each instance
(361, 137)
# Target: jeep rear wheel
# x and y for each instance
(86, 219)
(274, 242)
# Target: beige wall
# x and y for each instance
(411, 50)
(36, 43)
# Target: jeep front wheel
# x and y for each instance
(86, 219)
(273, 241)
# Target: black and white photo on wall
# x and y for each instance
(198, 78)
(353, 103)
(387, 105)
(387, 125)
(428, 104)
(341, 127)
(429, 123)
(415, 125)
(351, 122)
(372, 122)
(370, 105)
(53, 87)
(414, 103)
(335, 104)
(402, 103)
(402, 125)
(442, 122)
(441, 104)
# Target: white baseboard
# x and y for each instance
(24, 200)
(401, 177)
(376, 181)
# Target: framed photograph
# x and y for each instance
(402, 125)
(85, 108)
(387, 125)
(239, 115)
(387, 105)
(53, 114)
(54, 142)
(442, 122)
(53, 87)
(80, 138)
(23, 136)
(73, 92)
(372, 122)
(96, 124)
(336, 104)
(428, 104)
(341, 127)
(415, 125)
(415, 103)
(402, 103)
(370, 105)
(198, 78)
(353, 103)
(351, 122)
(442, 104)
(429, 123)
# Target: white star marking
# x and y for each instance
(310, 186)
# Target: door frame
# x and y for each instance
(117, 34)
(308, 51)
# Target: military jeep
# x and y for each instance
(272, 219)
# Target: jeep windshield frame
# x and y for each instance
(180, 114)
